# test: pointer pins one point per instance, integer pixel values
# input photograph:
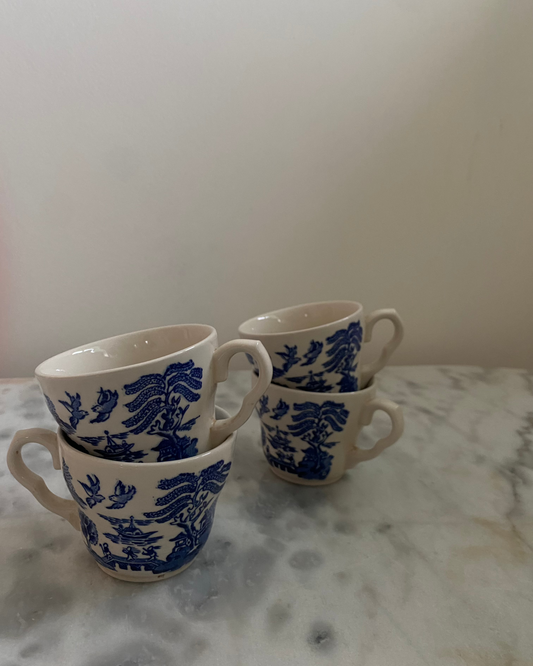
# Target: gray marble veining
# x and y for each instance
(422, 556)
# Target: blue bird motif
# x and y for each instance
(262, 405)
(92, 489)
(77, 414)
(315, 348)
(280, 410)
(290, 357)
(123, 494)
(107, 401)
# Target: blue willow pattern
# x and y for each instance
(159, 408)
(189, 506)
(342, 349)
(313, 424)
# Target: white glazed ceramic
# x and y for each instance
(311, 438)
(141, 523)
(148, 396)
(316, 347)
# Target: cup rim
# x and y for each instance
(219, 413)
(308, 395)
(258, 335)
(40, 372)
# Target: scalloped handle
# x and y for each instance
(65, 508)
(370, 369)
(222, 428)
(395, 414)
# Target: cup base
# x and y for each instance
(142, 578)
(302, 482)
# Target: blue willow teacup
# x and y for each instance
(316, 347)
(148, 396)
(141, 523)
(311, 439)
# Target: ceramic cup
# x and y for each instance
(139, 522)
(315, 347)
(148, 396)
(312, 439)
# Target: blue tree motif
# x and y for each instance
(122, 495)
(92, 490)
(263, 407)
(313, 381)
(73, 405)
(280, 410)
(314, 351)
(114, 450)
(88, 529)
(314, 424)
(190, 504)
(107, 401)
(290, 358)
(158, 408)
(278, 448)
(70, 485)
(344, 346)
(128, 531)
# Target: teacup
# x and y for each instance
(312, 439)
(148, 396)
(315, 347)
(140, 523)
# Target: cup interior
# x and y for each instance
(124, 350)
(299, 318)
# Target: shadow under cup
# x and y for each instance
(139, 522)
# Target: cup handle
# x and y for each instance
(65, 508)
(370, 369)
(395, 413)
(222, 428)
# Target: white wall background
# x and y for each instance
(179, 161)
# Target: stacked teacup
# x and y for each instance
(321, 395)
(146, 397)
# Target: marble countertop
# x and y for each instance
(422, 556)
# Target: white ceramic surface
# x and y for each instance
(316, 347)
(141, 523)
(311, 439)
(150, 395)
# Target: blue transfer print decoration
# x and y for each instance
(122, 495)
(128, 532)
(343, 348)
(315, 424)
(262, 405)
(70, 485)
(113, 450)
(313, 381)
(314, 351)
(88, 529)
(158, 410)
(290, 358)
(280, 410)
(66, 427)
(73, 406)
(92, 490)
(107, 401)
(189, 505)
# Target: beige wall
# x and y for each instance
(179, 161)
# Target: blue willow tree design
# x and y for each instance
(344, 346)
(190, 504)
(158, 409)
(277, 447)
(315, 424)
